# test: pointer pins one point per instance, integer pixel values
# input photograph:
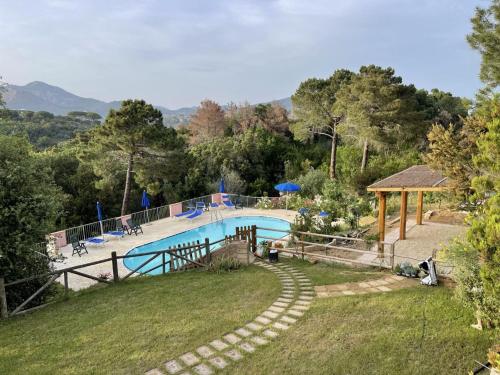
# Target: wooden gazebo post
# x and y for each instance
(420, 204)
(402, 215)
(381, 221)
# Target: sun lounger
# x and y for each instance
(95, 241)
(214, 205)
(201, 206)
(186, 213)
(228, 204)
(195, 214)
(119, 231)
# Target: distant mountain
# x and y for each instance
(40, 96)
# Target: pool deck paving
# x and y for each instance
(152, 232)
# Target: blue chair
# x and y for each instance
(186, 213)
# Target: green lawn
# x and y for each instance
(376, 334)
(133, 326)
(139, 324)
(324, 274)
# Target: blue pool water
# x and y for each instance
(213, 231)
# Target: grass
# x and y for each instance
(135, 325)
(139, 324)
(332, 273)
(413, 331)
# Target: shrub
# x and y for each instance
(224, 263)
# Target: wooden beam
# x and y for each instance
(420, 205)
(418, 188)
(403, 212)
(381, 222)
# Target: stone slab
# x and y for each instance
(234, 354)
(173, 367)
(270, 333)
(189, 359)
(232, 338)
(219, 344)
(203, 369)
(243, 332)
(218, 362)
(204, 351)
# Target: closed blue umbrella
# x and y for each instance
(222, 186)
(287, 187)
(99, 216)
(145, 202)
(323, 214)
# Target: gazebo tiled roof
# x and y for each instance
(415, 178)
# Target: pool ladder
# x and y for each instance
(215, 215)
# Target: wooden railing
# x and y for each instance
(182, 257)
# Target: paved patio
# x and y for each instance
(152, 232)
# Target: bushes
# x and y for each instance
(224, 263)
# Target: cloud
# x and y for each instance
(177, 52)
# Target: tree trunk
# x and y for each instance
(333, 156)
(364, 161)
(126, 192)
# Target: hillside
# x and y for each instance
(40, 96)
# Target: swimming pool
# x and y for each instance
(213, 231)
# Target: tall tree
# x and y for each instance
(485, 37)
(313, 107)
(377, 105)
(30, 203)
(208, 122)
(130, 133)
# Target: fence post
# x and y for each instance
(3, 300)
(207, 249)
(392, 255)
(302, 245)
(254, 238)
(114, 263)
(248, 252)
(66, 284)
(163, 263)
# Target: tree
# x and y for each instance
(477, 258)
(485, 37)
(30, 204)
(379, 110)
(208, 122)
(272, 117)
(130, 133)
(451, 151)
(313, 107)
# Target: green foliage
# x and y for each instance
(30, 203)
(43, 129)
(477, 259)
(134, 138)
(224, 263)
(311, 183)
(485, 37)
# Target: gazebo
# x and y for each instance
(419, 179)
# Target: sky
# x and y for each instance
(176, 53)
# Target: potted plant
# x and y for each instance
(494, 359)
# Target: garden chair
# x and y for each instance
(134, 227)
(78, 247)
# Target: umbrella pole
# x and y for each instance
(102, 230)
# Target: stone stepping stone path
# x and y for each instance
(295, 299)
(385, 284)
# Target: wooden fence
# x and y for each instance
(182, 257)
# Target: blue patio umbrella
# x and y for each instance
(287, 187)
(99, 216)
(323, 214)
(145, 202)
(222, 186)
